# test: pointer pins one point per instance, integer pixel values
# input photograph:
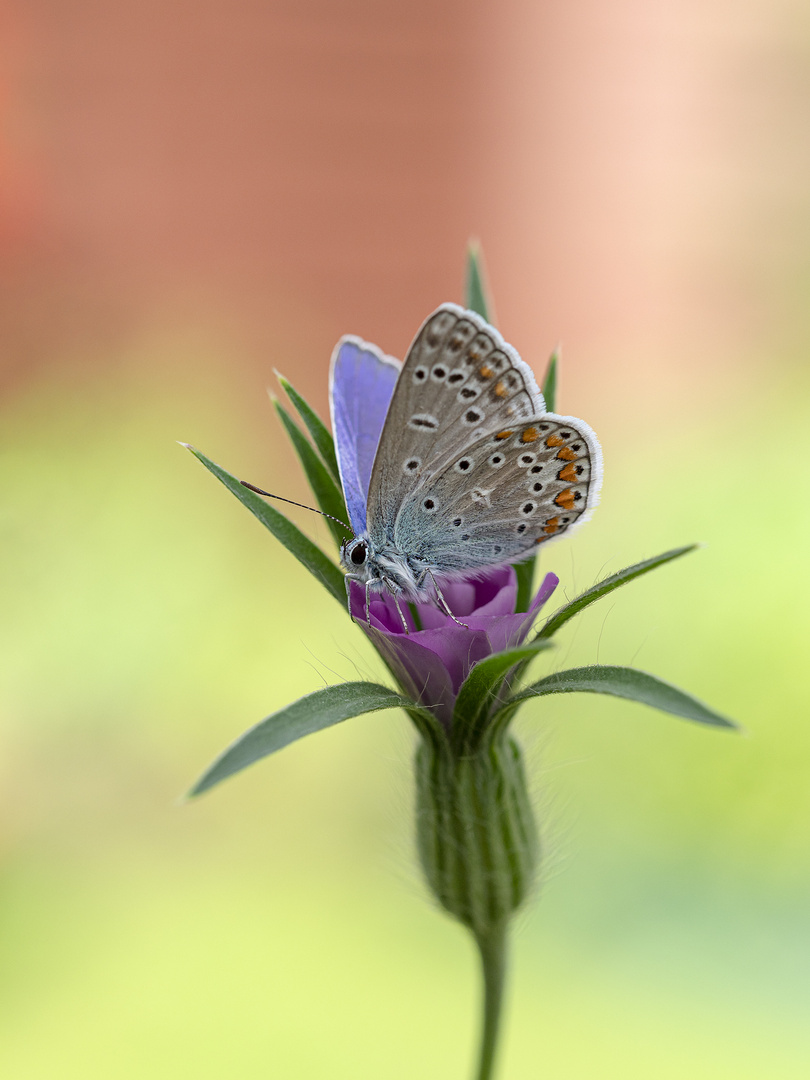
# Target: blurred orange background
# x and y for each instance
(192, 195)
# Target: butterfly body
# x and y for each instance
(458, 468)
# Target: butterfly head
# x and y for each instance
(355, 557)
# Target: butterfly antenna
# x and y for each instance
(292, 502)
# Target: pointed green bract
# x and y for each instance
(559, 618)
(476, 296)
(549, 388)
(477, 693)
(624, 682)
(321, 435)
(309, 714)
(307, 553)
(324, 488)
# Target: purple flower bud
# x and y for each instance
(432, 663)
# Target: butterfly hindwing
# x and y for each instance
(459, 381)
(503, 495)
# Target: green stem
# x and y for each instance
(493, 963)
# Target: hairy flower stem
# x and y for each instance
(493, 964)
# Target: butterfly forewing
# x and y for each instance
(503, 495)
(460, 381)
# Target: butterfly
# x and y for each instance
(449, 462)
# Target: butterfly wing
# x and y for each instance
(361, 383)
(502, 495)
(460, 380)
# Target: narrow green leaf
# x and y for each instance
(324, 488)
(627, 683)
(477, 692)
(476, 294)
(525, 583)
(318, 564)
(608, 585)
(550, 383)
(321, 435)
(317, 711)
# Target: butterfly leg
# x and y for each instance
(393, 592)
(442, 601)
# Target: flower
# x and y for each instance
(431, 663)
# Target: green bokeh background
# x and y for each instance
(278, 926)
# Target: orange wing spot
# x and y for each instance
(552, 525)
(568, 474)
(554, 440)
(540, 539)
(531, 434)
(565, 499)
(485, 372)
(499, 389)
(474, 356)
(566, 454)
(504, 434)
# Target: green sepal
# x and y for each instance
(549, 388)
(299, 545)
(327, 493)
(559, 618)
(321, 435)
(478, 693)
(309, 714)
(524, 572)
(476, 293)
(623, 682)
(476, 833)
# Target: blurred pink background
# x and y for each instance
(638, 174)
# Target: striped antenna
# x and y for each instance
(292, 502)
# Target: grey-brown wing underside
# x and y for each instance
(502, 496)
(459, 381)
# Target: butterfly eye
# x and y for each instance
(359, 553)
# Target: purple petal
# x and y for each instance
(361, 384)
(432, 663)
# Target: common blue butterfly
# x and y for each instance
(449, 462)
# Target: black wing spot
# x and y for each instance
(537, 487)
(472, 416)
(521, 527)
(456, 522)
